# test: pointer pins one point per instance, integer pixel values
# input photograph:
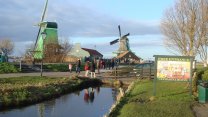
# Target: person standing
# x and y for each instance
(112, 63)
(87, 68)
(78, 65)
(70, 67)
(92, 69)
(98, 65)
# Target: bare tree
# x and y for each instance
(204, 31)
(184, 27)
(66, 47)
(6, 46)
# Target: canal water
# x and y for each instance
(91, 102)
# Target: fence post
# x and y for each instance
(150, 71)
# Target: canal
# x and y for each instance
(90, 102)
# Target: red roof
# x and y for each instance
(93, 52)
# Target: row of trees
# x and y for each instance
(185, 27)
(7, 47)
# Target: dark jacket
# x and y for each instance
(92, 67)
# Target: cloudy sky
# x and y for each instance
(93, 23)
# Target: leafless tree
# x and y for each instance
(204, 31)
(65, 46)
(184, 27)
(6, 46)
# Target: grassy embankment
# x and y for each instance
(172, 99)
(27, 90)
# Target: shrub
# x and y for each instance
(205, 76)
(8, 68)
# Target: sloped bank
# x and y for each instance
(172, 100)
(22, 91)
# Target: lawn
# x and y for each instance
(172, 99)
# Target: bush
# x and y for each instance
(8, 68)
(205, 76)
(198, 78)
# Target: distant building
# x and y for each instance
(81, 53)
(93, 53)
(128, 57)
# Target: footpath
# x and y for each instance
(201, 110)
(49, 74)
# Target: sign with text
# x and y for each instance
(176, 68)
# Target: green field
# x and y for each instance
(172, 99)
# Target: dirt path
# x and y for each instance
(201, 110)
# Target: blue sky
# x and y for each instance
(89, 22)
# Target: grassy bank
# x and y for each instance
(27, 90)
(172, 100)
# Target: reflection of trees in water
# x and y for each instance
(48, 106)
(114, 93)
(77, 93)
(98, 90)
(41, 110)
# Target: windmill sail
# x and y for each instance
(123, 42)
(42, 18)
(114, 41)
(119, 28)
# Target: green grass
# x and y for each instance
(27, 90)
(172, 100)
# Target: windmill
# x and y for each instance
(50, 29)
(123, 42)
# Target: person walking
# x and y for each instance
(78, 65)
(112, 63)
(92, 69)
(87, 68)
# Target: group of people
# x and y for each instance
(91, 65)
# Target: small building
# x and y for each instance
(93, 53)
(81, 53)
(128, 57)
(3, 58)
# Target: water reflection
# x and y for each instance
(90, 102)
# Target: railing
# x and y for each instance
(144, 72)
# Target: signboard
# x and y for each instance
(173, 68)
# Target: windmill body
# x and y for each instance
(123, 44)
(50, 28)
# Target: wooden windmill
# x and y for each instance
(51, 37)
(123, 42)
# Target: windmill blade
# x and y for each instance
(119, 28)
(42, 18)
(126, 35)
(44, 11)
(114, 41)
